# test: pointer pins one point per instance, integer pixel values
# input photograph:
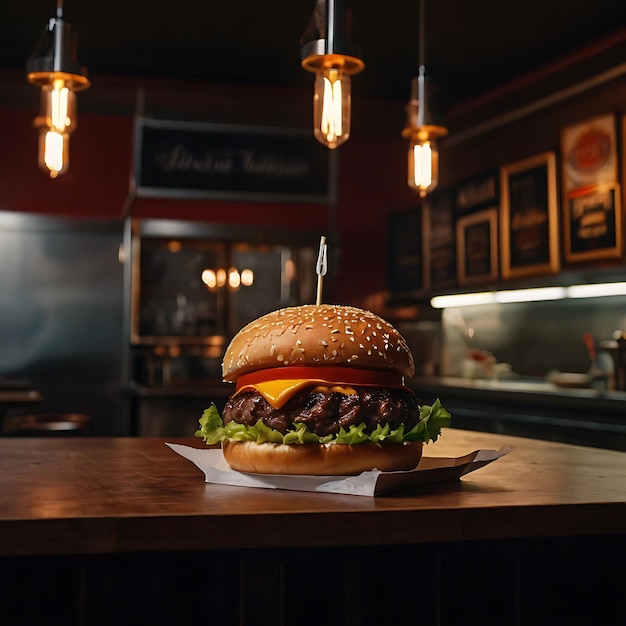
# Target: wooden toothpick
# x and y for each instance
(320, 268)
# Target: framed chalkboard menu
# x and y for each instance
(405, 264)
(529, 235)
(593, 223)
(440, 245)
(216, 161)
(477, 241)
(480, 192)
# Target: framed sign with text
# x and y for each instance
(477, 241)
(405, 265)
(592, 218)
(440, 241)
(529, 217)
(215, 161)
(481, 192)
(593, 223)
(589, 153)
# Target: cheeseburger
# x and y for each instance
(320, 390)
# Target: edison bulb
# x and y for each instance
(58, 106)
(54, 154)
(423, 169)
(331, 107)
(209, 278)
(234, 278)
(247, 277)
(56, 121)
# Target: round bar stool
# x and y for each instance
(45, 425)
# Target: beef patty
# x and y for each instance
(325, 412)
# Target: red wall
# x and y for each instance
(96, 183)
(372, 175)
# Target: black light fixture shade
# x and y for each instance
(420, 111)
(329, 30)
(55, 52)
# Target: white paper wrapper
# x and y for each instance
(372, 483)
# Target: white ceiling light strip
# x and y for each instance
(531, 295)
(596, 290)
(528, 295)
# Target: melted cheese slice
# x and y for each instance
(279, 392)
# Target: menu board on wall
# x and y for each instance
(212, 161)
(593, 224)
(440, 244)
(405, 268)
(477, 242)
(592, 218)
(476, 194)
(529, 236)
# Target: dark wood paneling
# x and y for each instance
(574, 581)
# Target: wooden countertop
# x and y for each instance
(107, 495)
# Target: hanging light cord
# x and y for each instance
(422, 44)
(421, 77)
(58, 39)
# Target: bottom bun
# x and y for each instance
(320, 460)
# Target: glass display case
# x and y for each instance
(194, 286)
(171, 303)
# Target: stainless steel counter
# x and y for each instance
(531, 408)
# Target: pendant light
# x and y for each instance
(327, 52)
(53, 68)
(421, 129)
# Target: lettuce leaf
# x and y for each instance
(432, 419)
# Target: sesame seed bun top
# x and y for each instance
(317, 335)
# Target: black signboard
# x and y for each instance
(405, 270)
(476, 194)
(529, 217)
(197, 160)
(441, 246)
(477, 236)
(593, 223)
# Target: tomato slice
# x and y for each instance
(327, 374)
